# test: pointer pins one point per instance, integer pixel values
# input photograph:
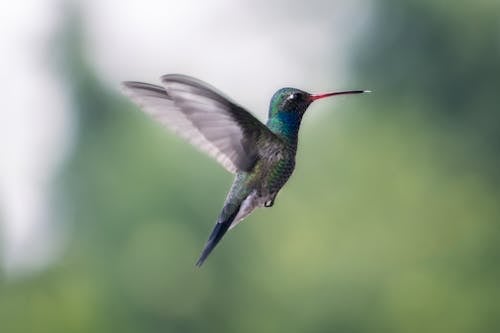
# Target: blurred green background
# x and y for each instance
(390, 223)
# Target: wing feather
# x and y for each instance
(204, 117)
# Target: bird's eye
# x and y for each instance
(294, 96)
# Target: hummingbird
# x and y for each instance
(261, 156)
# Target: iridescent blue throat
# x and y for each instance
(286, 125)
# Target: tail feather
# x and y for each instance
(218, 232)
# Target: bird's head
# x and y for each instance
(292, 100)
(288, 100)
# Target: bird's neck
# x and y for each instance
(286, 125)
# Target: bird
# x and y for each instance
(261, 156)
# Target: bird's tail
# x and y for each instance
(227, 216)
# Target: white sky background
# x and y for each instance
(34, 132)
(247, 49)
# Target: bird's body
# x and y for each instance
(262, 157)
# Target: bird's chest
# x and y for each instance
(277, 173)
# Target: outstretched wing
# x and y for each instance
(204, 117)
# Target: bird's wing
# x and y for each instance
(198, 113)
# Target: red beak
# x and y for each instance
(320, 96)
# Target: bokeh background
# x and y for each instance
(391, 222)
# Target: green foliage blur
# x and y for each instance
(389, 224)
